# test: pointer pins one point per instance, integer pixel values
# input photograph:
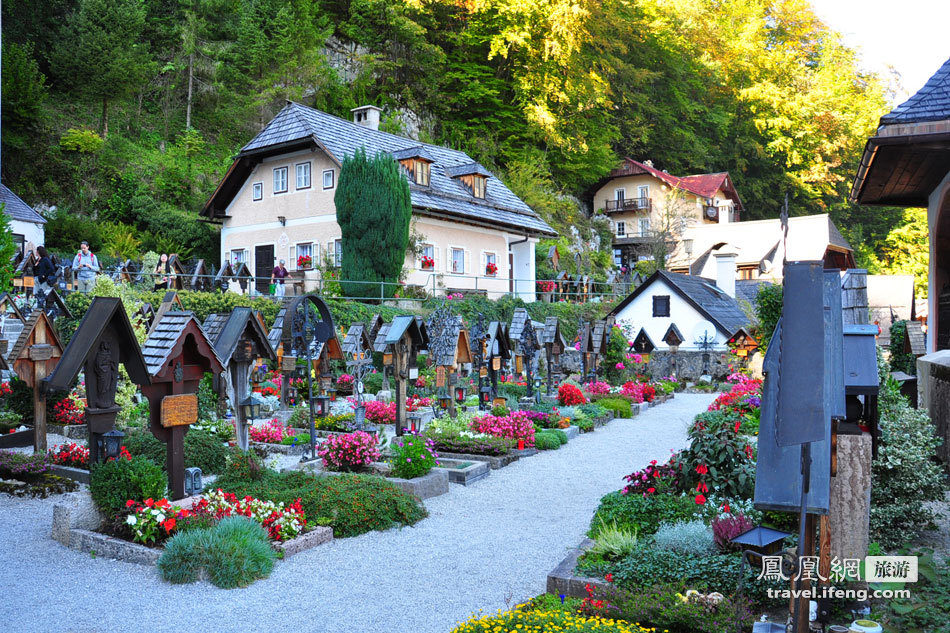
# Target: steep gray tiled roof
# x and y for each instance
(748, 289)
(213, 325)
(342, 138)
(930, 103)
(161, 340)
(17, 209)
(466, 169)
(413, 152)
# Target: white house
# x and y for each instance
(277, 202)
(684, 310)
(28, 226)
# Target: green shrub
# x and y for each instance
(499, 411)
(296, 440)
(641, 514)
(115, 482)
(561, 435)
(691, 537)
(413, 456)
(373, 383)
(203, 449)
(584, 425)
(613, 543)
(243, 466)
(354, 504)
(233, 553)
(620, 406)
(546, 441)
(592, 410)
(729, 457)
(905, 474)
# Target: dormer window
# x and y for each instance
(478, 186)
(420, 169)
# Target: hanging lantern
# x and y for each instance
(445, 400)
(112, 443)
(459, 394)
(485, 395)
(519, 363)
(483, 371)
(323, 406)
(496, 363)
(388, 358)
(251, 406)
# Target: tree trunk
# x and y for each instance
(105, 118)
(191, 78)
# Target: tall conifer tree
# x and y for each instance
(373, 209)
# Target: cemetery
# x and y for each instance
(164, 438)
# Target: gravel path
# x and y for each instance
(486, 546)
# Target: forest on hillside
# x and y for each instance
(125, 114)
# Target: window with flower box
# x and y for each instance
(304, 256)
(427, 257)
(490, 261)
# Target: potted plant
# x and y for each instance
(546, 288)
(491, 269)
(305, 262)
(427, 263)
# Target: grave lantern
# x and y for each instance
(498, 351)
(239, 343)
(112, 443)
(178, 354)
(485, 395)
(104, 340)
(761, 541)
(459, 394)
(331, 392)
(444, 401)
(323, 405)
(251, 406)
(537, 389)
(193, 481)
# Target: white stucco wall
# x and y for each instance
(33, 234)
(639, 314)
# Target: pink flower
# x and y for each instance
(620, 366)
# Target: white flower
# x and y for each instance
(130, 519)
(160, 517)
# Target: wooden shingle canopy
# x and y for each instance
(499, 344)
(277, 329)
(584, 334)
(104, 313)
(38, 325)
(914, 340)
(8, 305)
(379, 342)
(673, 336)
(356, 341)
(461, 350)
(213, 325)
(518, 321)
(242, 324)
(55, 301)
(642, 344)
(406, 325)
(168, 338)
(171, 302)
(552, 333)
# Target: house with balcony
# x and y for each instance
(644, 204)
(476, 233)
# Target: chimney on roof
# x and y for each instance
(648, 163)
(367, 116)
(726, 272)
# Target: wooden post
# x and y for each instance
(805, 549)
(239, 384)
(401, 374)
(39, 408)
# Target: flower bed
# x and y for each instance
(516, 426)
(349, 452)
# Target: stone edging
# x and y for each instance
(494, 461)
(76, 474)
(72, 431)
(562, 581)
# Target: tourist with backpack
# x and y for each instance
(86, 267)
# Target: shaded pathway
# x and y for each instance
(484, 546)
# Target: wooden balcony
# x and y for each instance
(629, 205)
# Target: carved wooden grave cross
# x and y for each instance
(178, 354)
(34, 356)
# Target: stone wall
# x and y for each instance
(933, 388)
(688, 365)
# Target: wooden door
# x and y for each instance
(263, 266)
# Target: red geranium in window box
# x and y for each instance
(304, 261)
(427, 262)
(491, 269)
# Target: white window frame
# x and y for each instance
(238, 256)
(643, 191)
(479, 185)
(422, 253)
(420, 167)
(330, 173)
(286, 183)
(338, 252)
(621, 229)
(485, 261)
(297, 254)
(620, 193)
(257, 191)
(306, 174)
(451, 262)
(643, 225)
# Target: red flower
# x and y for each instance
(609, 577)
(725, 508)
(702, 469)
(169, 524)
(651, 490)
(129, 503)
(738, 424)
(700, 500)
(149, 502)
(701, 487)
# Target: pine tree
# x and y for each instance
(373, 209)
(7, 250)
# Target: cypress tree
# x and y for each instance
(373, 209)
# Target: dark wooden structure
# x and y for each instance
(54, 306)
(178, 354)
(8, 306)
(201, 279)
(497, 352)
(643, 344)
(450, 349)
(103, 340)
(743, 342)
(554, 346)
(239, 343)
(585, 336)
(401, 340)
(171, 302)
(23, 273)
(176, 280)
(34, 356)
(146, 314)
(519, 319)
(914, 340)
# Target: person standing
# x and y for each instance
(86, 267)
(162, 271)
(44, 273)
(277, 277)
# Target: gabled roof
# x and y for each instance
(55, 303)
(466, 170)
(17, 209)
(914, 341)
(380, 344)
(760, 243)
(419, 151)
(518, 321)
(748, 289)
(298, 127)
(277, 328)
(356, 340)
(9, 306)
(930, 103)
(103, 312)
(27, 331)
(673, 333)
(552, 332)
(643, 343)
(701, 293)
(702, 185)
(213, 325)
(241, 323)
(405, 325)
(166, 339)
(497, 332)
